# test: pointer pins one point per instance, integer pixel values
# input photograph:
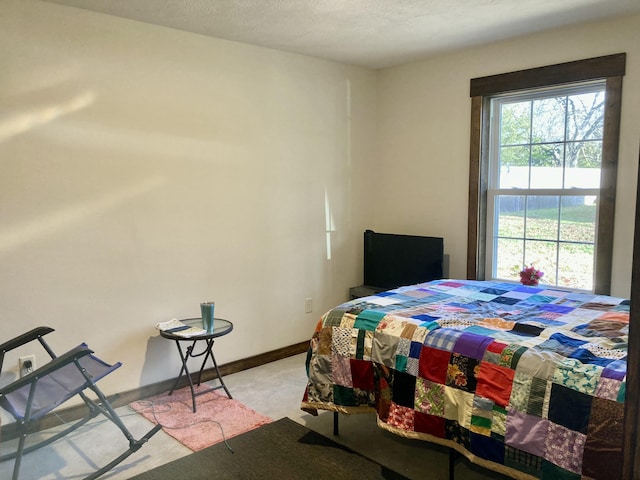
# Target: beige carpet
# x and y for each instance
(217, 417)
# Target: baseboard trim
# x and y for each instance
(76, 412)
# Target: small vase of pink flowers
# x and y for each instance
(530, 275)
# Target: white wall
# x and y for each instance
(145, 170)
(424, 117)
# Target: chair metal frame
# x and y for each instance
(27, 422)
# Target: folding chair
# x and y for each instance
(31, 397)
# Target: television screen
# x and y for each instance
(392, 260)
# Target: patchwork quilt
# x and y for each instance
(527, 381)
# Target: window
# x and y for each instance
(545, 154)
(543, 171)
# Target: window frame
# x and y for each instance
(494, 190)
(610, 68)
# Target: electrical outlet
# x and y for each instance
(308, 305)
(26, 364)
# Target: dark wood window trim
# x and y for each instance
(611, 68)
(570, 72)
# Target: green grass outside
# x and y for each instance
(576, 259)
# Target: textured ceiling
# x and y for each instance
(370, 33)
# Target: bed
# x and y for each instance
(527, 381)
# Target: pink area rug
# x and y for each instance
(217, 417)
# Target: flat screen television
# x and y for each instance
(392, 260)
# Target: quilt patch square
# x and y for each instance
(427, 320)
(461, 372)
(344, 396)
(621, 316)
(341, 371)
(409, 330)
(494, 291)
(578, 376)
(415, 349)
(538, 363)
(496, 323)
(551, 307)
(505, 300)
(472, 345)
(608, 388)
(622, 392)
(482, 416)
(442, 339)
(434, 364)
(526, 433)
(413, 366)
(526, 289)
(616, 369)
(456, 433)
(348, 319)
(517, 294)
(481, 331)
(401, 363)
(537, 397)
(364, 342)
(458, 406)
(520, 392)
(488, 448)
(431, 424)
(384, 294)
(417, 293)
(429, 397)
(510, 356)
(523, 461)
(356, 347)
(325, 340)
(495, 383)
(597, 305)
(341, 341)
(455, 323)
(613, 351)
(401, 417)
(527, 330)
(491, 357)
(334, 317)
(495, 348)
(421, 332)
(319, 392)
(598, 327)
(403, 388)
(561, 344)
(404, 345)
(384, 348)
(369, 320)
(319, 370)
(482, 297)
(384, 379)
(364, 397)
(603, 456)
(570, 408)
(362, 374)
(564, 447)
(391, 325)
(540, 298)
(586, 356)
(499, 421)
